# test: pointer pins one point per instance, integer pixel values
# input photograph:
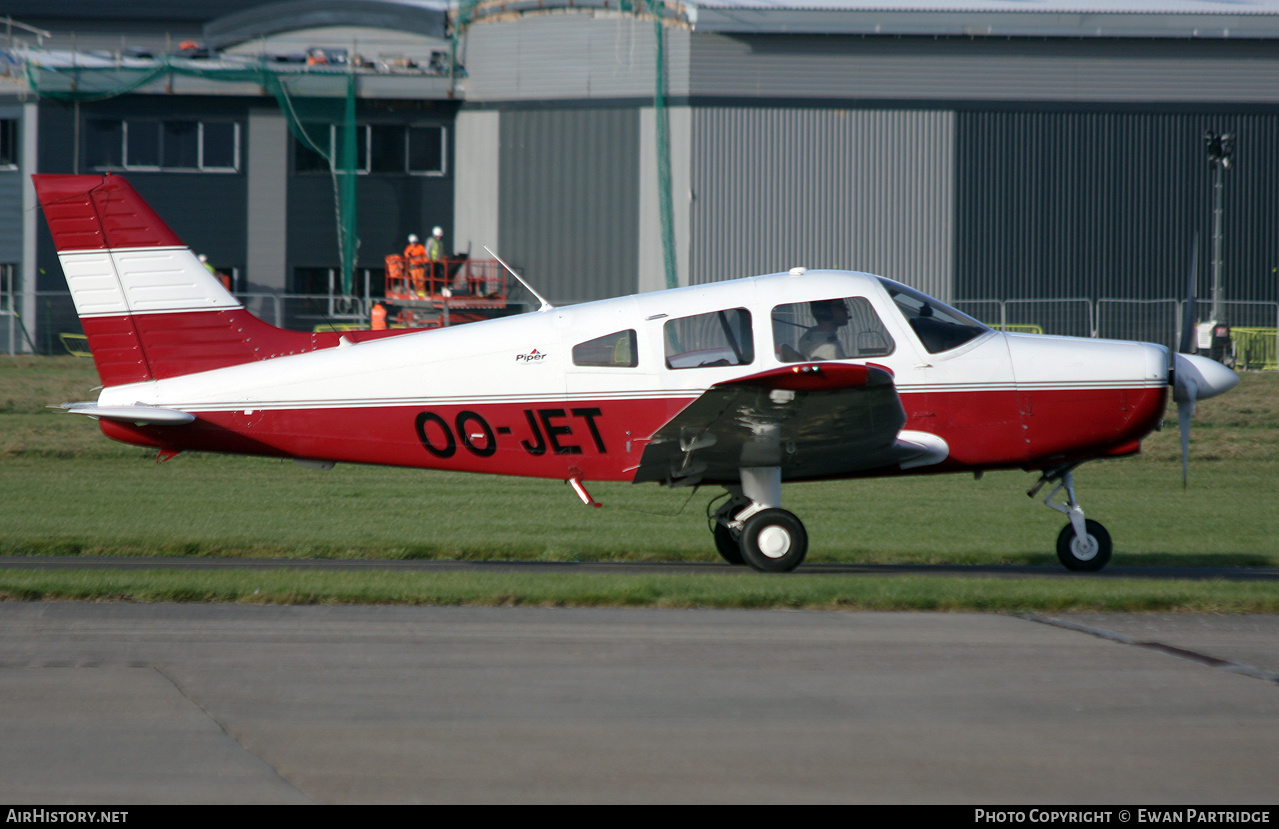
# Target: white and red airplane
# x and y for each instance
(742, 384)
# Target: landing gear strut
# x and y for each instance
(1083, 544)
(753, 529)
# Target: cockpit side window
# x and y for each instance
(721, 338)
(829, 329)
(616, 350)
(938, 326)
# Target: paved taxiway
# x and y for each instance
(128, 703)
(1011, 571)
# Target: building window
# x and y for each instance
(8, 142)
(313, 281)
(8, 282)
(305, 158)
(380, 148)
(386, 149)
(327, 140)
(426, 150)
(104, 143)
(145, 144)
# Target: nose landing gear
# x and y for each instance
(1083, 544)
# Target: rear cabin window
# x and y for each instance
(938, 326)
(616, 350)
(829, 329)
(722, 338)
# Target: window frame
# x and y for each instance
(365, 150)
(953, 330)
(862, 311)
(9, 150)
(120, 129)
(744, 351)
(609, 341)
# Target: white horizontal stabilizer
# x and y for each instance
(140, 413)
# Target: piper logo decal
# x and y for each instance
(533, 356)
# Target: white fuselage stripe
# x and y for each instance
(535, 399)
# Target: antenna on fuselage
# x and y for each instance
(546, 306)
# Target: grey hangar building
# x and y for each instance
(989, 152)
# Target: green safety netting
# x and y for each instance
(311, 102)
(663, 13)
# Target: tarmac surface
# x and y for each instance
(120, 703)
(1013, 571)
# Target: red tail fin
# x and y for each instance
(149, 307)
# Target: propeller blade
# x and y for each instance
(1196, 378)
(1185, 412)
(1188, 312)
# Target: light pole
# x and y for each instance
(1220, 146)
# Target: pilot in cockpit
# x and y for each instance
(821, 342)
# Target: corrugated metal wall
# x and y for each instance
(10, 217)
(569, 187)
(1107, 204)
(823, 188)
(787, 67)
(571, 56)
(11, 195)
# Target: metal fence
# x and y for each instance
(1254, 325)
(54, 315)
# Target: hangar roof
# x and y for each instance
(1246, 19)
(424, 17)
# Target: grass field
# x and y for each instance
(69, 491)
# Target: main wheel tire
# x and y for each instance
(1090, 555)
(728, 544)
(774, 541)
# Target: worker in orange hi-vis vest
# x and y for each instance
(415, 259)
(377, 319)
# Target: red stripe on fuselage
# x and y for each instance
(1032, 428)
(604, 439)
(595, 440)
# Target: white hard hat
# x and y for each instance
(439, 231)
(412, 237)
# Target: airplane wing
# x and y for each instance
(813, 420)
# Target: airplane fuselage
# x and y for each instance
(511, 396)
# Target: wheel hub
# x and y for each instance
(774, 541)
(1084, 549)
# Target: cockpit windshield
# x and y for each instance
(938, 326)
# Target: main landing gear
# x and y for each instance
(1083, 544)
(753, 529)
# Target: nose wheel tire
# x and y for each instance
(1089, 554)
(774, 541)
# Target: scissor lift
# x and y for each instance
(432, 294)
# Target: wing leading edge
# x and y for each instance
(811, 420)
